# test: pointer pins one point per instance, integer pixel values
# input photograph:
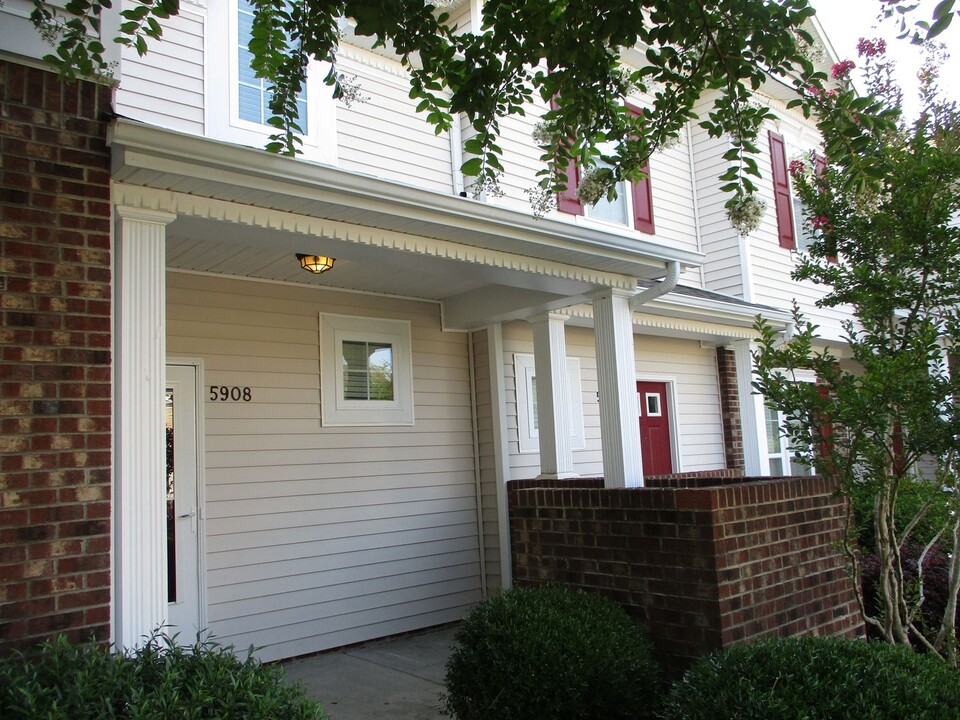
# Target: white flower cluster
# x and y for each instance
(489, 186)
(542, 200)
(745, 214)
(867, 203)
(350, 90)
(542, 135)
(594, 185)
(814, 52)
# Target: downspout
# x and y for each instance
(476, 466)
(661, 288)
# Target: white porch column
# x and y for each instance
(617, 377)
(752, 421)
(553, 396)
(140, 544)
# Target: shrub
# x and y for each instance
(550, 652)
(816, 677)
(159, 681)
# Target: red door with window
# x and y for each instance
(655, 445)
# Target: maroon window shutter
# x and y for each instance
(642, 193)
(643, 202)
(781, 192)
(567, 201)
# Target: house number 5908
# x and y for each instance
(225, 393)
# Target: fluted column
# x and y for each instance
(140, 547)
(755, 460)
(553, 396)
(617, 377)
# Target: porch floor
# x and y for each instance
(398, 678)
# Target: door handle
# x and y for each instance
(193, 517)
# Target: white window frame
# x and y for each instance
(785, 455)
(340, 412)
(529, 435)
(222, 94)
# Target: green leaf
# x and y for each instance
(472, 167)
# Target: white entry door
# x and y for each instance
(184, 515)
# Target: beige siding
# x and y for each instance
(319, 537)
(383, 135)
(165, 86)
(691, 368)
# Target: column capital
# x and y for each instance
(147, 215)
(612, 292)
(548, 316)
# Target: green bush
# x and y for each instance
(159, 681)
(816, 677)
(549, 652)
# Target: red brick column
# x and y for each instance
(730, 409)
(55, 363)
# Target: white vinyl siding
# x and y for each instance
(382, 135)
(320, 537)
(722, 270)
(692, 368)
(165, 86)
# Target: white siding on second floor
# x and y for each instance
(383, 135)
(165, 86)
(771, 265)
(722, 271)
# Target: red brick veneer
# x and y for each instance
(703, 565)
(55, 358)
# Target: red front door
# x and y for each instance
(655, 445)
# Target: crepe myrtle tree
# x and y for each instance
(887, 418)
(920, 31)
(567, 52)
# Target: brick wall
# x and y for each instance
(730, 409)
(701, 567)
(55, 363)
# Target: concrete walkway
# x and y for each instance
(400, 679)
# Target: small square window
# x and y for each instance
(653, 404)
(367, 370)
(366, 375)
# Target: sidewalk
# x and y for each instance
(400, 679)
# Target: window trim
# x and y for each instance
(222, 96)
(336, 411)
(528, 434)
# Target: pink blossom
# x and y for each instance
(869, 48)
(842, 69)
(820, 222)
(797, 168)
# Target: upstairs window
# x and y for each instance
(633, 206)
(253, 92)
(237, 103)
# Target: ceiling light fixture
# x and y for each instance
(315, 263)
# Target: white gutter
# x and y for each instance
(661, 288)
